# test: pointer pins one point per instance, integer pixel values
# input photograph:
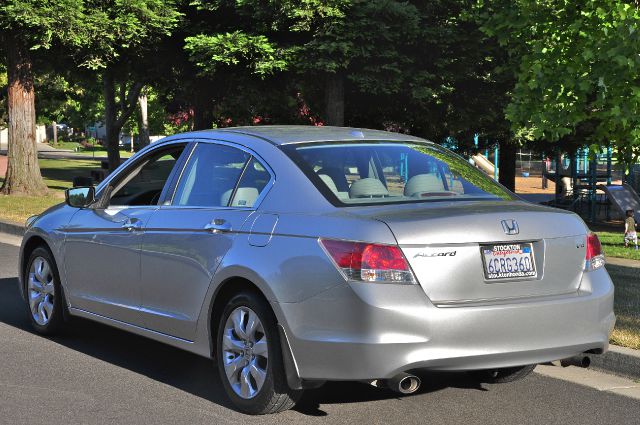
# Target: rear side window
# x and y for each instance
(253, 181)
(220, 176)
(392, 172)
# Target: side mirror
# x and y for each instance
(80, 197)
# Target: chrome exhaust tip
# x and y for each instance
(579, 361)
(404, 383)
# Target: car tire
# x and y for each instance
(249, 357)
(43, 292)
(503, 375)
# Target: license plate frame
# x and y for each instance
(519, 261)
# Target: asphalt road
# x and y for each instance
(94, 375)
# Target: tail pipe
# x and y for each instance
(403, 383)
(579, 361)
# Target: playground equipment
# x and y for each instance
(482, 161)
(526, 170)
(578, 177)
(484, 164)
(623, 198)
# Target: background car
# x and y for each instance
(296, 255)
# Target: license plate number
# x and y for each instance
(505, 261)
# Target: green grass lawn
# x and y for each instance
(18, 208)
(58, 175)
(613, 245)
(627, 305)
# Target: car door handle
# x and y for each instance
(219, 225)
(132, 225)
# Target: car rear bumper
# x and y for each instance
(371, 331)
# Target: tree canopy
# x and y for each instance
(577, 69)
(513, 72)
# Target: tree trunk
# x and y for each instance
(202, 116)
(23, 172)
(54, 130)
(507, 164)
(114, 116)
(144, 121)
(110, 121)
(334, 98)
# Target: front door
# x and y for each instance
(187, 238)
(102, 246)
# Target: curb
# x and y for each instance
(11, 228)
(618, 360)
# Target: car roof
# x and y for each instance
(288, 134)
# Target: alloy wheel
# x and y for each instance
(41, 291)
(245, 352)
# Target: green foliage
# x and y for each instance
(372, 35)
(110, 28)
(419, 67)
(256, 52)
(578, 74)
(43, 23)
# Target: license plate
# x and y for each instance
(505, 261)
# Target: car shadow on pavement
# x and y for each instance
(356, 392)
(192, 373)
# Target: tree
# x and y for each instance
(359, 46)
(231, 48)
(578, 70)
(143, 101)
(27, 26)
(3, 98)
(122, 36)
(336, 42)
(419, 67)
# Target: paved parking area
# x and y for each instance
(97, 375)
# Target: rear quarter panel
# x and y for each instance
(293, 266)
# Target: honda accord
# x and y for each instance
(295, 255)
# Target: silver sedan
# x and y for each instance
(295, 255)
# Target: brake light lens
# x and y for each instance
(366, 262)
(594, 258)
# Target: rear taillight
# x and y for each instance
(594, 257)
(369, 262)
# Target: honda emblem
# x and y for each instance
(510, 227)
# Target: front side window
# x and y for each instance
(221, 176)
(391, 172)
(144, 185)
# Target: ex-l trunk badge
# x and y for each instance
(510, 227)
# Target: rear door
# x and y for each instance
(102, 247)
(189, 235)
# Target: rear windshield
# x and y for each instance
(390, 172)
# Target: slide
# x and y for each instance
(623, 198)
(484, 164)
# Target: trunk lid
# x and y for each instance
(444, 244)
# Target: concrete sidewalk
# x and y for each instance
(625, 262)
(46, 151)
